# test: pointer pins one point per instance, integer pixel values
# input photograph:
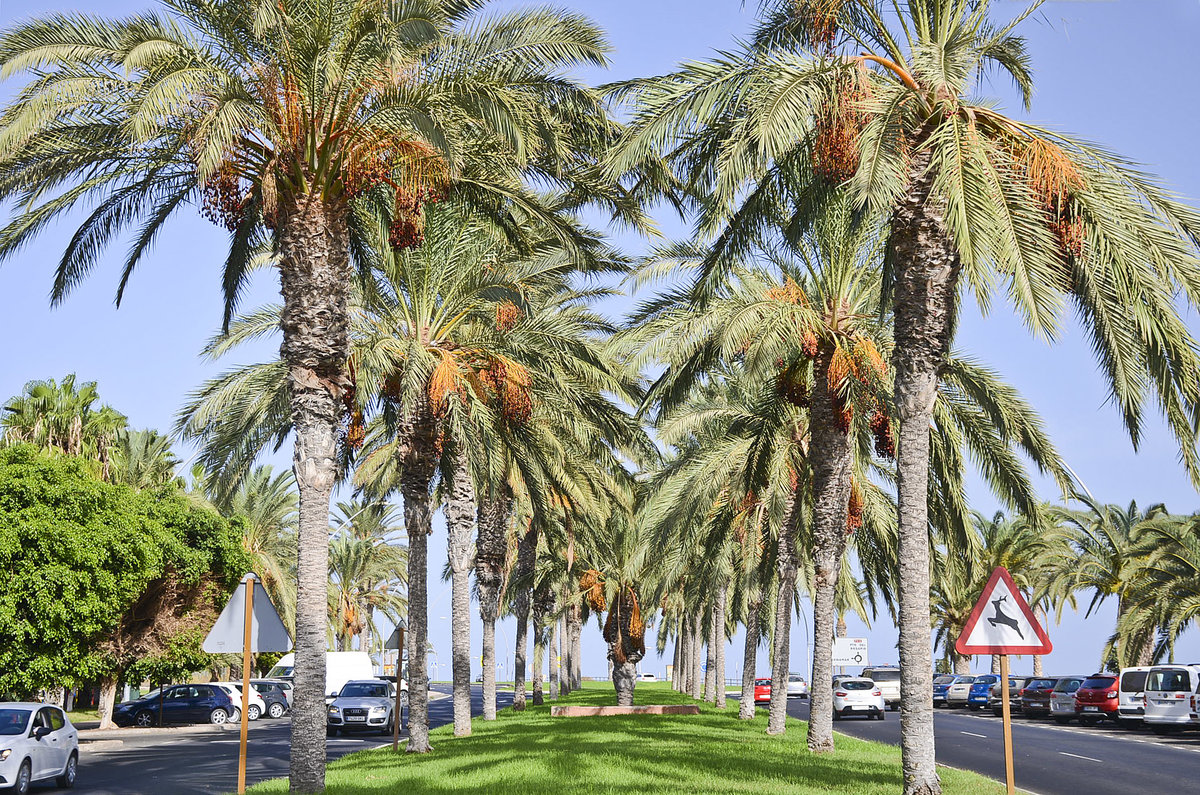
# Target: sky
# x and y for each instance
(1112, 71)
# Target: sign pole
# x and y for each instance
(248, 581)
(1008, 750)
(396, 718)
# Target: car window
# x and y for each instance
(762, 682)
(885, 675)
(13, 721)
(1041, 684)
(1134, 681)
(1175, 680)
(859, 684)
(1067, 685)
(56, 719)
(42, 719)
(943, 680)
(964, 680)
(1098, 682)
(364, 690)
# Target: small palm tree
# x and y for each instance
(366, 571)
(63, 417)
(142, 459)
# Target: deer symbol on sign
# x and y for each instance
(1001, 618)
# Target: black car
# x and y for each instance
(273, 695)
(1035, 696)
(995, 695)
(176, 704)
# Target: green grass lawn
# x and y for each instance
(531, 752)
(83, 715)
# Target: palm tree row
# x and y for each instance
(438, 341)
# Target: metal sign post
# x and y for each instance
(247, 625)
(1003, 624)
(396, 641)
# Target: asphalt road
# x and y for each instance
(1050, 759)
(206, 764)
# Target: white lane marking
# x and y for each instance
(973, 734)
(1077, 756)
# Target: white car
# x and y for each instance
(37, 742)
(887, 678)
(647, 678)
(1170, 697)
(854, 695)
(1062, 699)
(959, 690)
(256, 708)
(797, 687)
(1131, 694)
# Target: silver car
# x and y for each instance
(37, 742)
(362, 705)
(960, 688)
(796, 686)
(1062, 699)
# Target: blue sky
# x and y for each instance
(1113, 71)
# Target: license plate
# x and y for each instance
(1091, 709)
(356, 719)
(859, 706)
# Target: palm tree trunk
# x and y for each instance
(576, 624)
(624, 677)
(697, 674)
(564, 656)
(996, 664)
(685, 662)
(108, 698)
(926, 273)
(315, 277)
(491, 548)
(829, 456)
(676, 659)
(710, 659)
(539, 655)
(554, 689)
(526, 554)
(460, 524)
(781, 648)
(1146, 652)
(962, 663)
(749, 662)
(719, 641)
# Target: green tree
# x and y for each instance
(63, 417)
(366, 571)
(296, 126)
(142, 459)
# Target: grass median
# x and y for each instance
(530, 752)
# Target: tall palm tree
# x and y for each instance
(878, 95)
(1163, 602)
(63, 416)
(142, 459)
(370, 568)
(291, 124)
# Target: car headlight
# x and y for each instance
(378, 710)
(333, 709)
(5, 754)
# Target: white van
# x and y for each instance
(1169, 701)
(887, 679)
(1131, 694)
(340, 668)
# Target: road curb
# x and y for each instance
(101, 745)
(95, 735)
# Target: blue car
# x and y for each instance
(980, 691)
(176, 704)
(940, 685)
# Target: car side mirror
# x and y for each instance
(40, 731)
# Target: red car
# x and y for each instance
(762, 690)
(1096, 699)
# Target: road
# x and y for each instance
(1050, 759)
(206, 764)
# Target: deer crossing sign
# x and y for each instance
(1002, 622)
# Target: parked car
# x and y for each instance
(762, 690)
(1096, 699)
(178, 704)
(940, 685)
(647, 678)
(1170, 697)
(1131, 694)
(977, 696)
(797, 687)
(857, 696)
(362, 704)
(887, 678)
(960, 688)
(995, 695)
(1035, 698)
(275, 696)
(1062, 698)
(254, 710)
(37, 743)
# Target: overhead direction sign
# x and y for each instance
(1002, 622)
(267, 632)
(850, 651)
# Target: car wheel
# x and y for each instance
(1062, 721)
(837, 715)
(973, 707)
(23, 780)
(275, 710)
(879, 715)
(144, 719)
(67, 779)
(1087, 721)
(219, 717)
(253, 712)
(386, 731)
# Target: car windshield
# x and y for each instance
(1097, 682)
(1134, 681)
(364, 690)
(1041, 684)
(986, 680)
(1067, 685)
(1174, 680)
(885, 676)
(964, 680)
(13, 721)
(280, 672)
(794, 678)
(856, 684)
(762, 682)
(943, 680)
(152, 694)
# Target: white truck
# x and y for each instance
(340, 668)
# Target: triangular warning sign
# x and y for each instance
(1002, 622)
(267, 632)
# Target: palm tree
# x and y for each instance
(878, 96)
(63, 417)
(142, 459)
(1163, 601)
(366, 571)
(293, 125)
